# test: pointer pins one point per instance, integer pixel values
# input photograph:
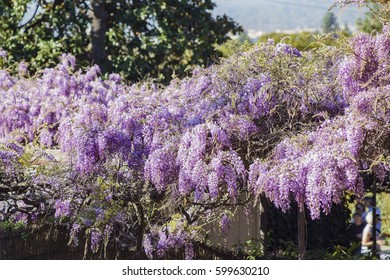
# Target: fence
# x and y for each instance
(43, 243)
(243, 227)
(50, 243)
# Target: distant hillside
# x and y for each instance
(273, 15)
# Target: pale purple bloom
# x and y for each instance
(15, 147)
(63, 208)
(21, 217)
(22, 68)
(115, 78)
(162, 245)
(148, 246)
(108, 230)
(74, 231)
(189, 251)
(287, 49)
(46, 138)
(3, 53)
(96, 237)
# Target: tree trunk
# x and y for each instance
(301, 232)
(141, 225)
(98, 33)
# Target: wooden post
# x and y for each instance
(374, 218)
(263, 223)
(301, 232)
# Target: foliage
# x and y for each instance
(383, 203)
(329, 23)
(54, 29)
(377, 15)
(370, 22)
(8, 225)
(305, 40)
(251, 249)
(143, 38)
(301, 41)
(233, 46)
(343, 253)
(150, 166)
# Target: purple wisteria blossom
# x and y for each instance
(73, 237)
(3, 53)
(148, 246)
(63, 208)
(22, 68)
(96, 237)
(164, 161)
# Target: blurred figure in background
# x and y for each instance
(367, 240)
(368, 203)
(357, 227)
(360, 209)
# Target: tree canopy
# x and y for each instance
(329, 23)
(370, 23)
(134, 38)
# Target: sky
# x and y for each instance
(258, 16)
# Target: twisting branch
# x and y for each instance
(33, 16)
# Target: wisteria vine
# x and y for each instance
(150, 166)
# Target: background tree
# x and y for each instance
(370, 23)
(133, 38)
(329, 23)
(347, 30)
